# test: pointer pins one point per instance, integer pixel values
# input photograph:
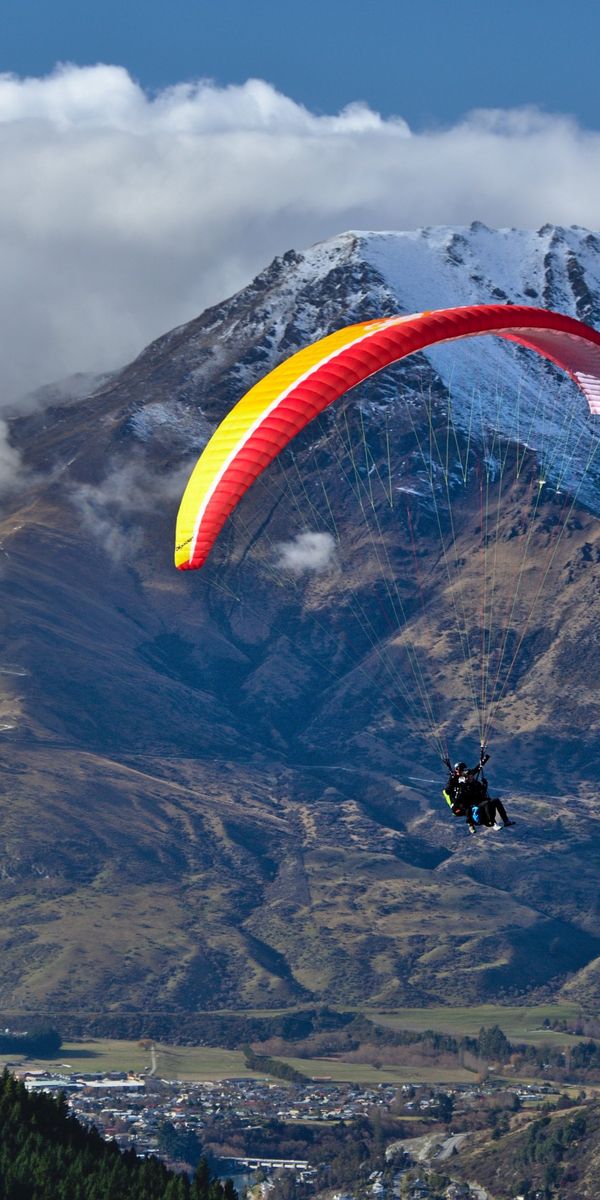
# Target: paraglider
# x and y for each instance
(467, 795)
(270, 415)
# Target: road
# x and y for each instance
(452, 1143)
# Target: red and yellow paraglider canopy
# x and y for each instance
(291, 395)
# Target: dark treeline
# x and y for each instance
(345, 1031)
(584, 1025)
(45, 1154)
(44, 1042)
(569, 1062)
(491, 1045)
(210, 1029)
(272, 1066)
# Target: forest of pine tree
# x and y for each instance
(46, 1154)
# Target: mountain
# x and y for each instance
(215, 785)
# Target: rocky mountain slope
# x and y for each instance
(556, 1154)
(214, 793)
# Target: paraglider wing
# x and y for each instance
(281, 404)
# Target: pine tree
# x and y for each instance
(45, 1154)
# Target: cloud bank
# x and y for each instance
(124, 214)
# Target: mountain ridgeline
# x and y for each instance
(220, 789)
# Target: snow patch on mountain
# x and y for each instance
(517, 393)
(194, 374)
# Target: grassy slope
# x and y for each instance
(179, 886)
(502, 1166)
(192, 817)
(522, 1024)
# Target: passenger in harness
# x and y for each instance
(466, 793)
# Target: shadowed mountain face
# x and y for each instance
(214, 790)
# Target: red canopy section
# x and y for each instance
(290, 396)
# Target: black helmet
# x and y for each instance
(460, 766)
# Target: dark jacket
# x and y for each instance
(465, 790)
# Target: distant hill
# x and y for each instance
(213, 795)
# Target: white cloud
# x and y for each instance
(110, 511)
(122, 214)
(10, 463)
(308, 551)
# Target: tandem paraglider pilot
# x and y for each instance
(466, 794)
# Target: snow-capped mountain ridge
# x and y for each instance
(358, 275)
(181, 386)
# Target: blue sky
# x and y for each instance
(428, 61)
(136, 193)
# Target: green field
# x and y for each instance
(519, 1024)
(213, 1063)
(338, 1071)
(172, 1062)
